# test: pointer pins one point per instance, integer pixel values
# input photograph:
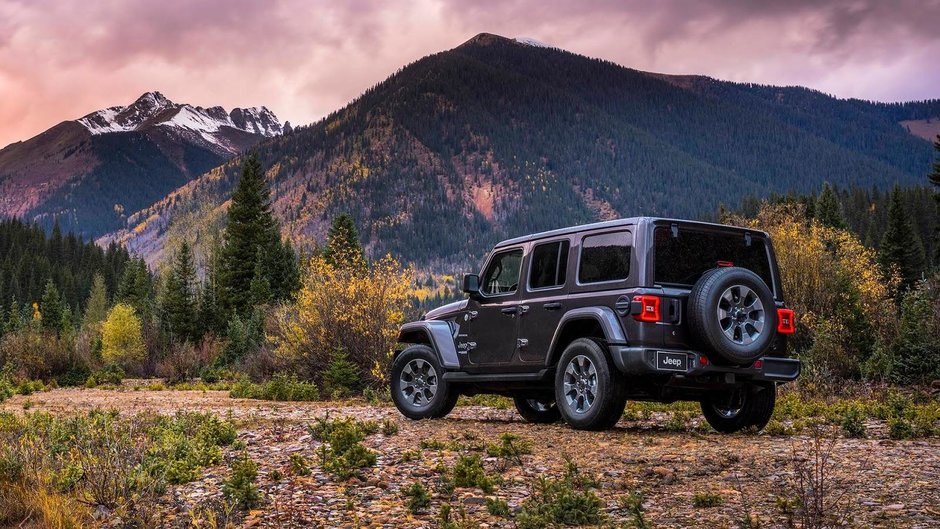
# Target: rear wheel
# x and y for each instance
(541, 411)
(418, 389)
(748, 406)
(589, 391)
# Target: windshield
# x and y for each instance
(682, 260)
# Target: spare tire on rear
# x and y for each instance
(732, 315)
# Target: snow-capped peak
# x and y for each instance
(153, 109)
(528, 41)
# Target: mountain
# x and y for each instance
(88, 172)
(499, 137)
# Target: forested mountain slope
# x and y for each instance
(497, 138)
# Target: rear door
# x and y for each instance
(546, 293)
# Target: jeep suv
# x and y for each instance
(574, 322)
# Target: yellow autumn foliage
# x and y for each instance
(121, 339)
(357, 309)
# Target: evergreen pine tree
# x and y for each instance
(179, 300)
(828, 209)
(900, 245)
(210, 320)
(251, 229)
(136, 288)
(934, 178)
(96, 309)
(51, 307)
(15, 318)
(343, 249)
(260, 289)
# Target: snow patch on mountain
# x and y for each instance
(528, 41)
(153, 109)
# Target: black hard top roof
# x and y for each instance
(629, 221)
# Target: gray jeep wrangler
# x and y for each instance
(574, 322)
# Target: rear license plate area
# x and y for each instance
(666, 361)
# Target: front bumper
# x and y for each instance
(642, 361)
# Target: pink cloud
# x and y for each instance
(303, 59)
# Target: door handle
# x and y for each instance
(554, 305)
(512, 311)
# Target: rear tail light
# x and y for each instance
(786, 321)
(645, 308)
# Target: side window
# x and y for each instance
(605, 257)
(502, 275)
(549, 265)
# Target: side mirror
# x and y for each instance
(471, 284)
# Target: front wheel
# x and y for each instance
(418, 389)
(539, 411)
(748, 406)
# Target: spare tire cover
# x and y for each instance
(732, 315)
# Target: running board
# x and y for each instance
(457, 376)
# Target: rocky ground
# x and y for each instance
(883, 483)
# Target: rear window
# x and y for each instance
(682, 260)
(605, 257)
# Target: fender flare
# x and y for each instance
(604, 316)
(437, 334)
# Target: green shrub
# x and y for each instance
(565, 501)
(389, 427)
(281, 387)
(469, 472)
(853, 421)
(633, 504)
(900, 428)
(240, 487)
(497, 507)
(342, 452)
(418, 498)
(341, 375)
(706, 499)
(298, 465)
(112, 374)
(510, 447)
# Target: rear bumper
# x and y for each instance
(642, 361)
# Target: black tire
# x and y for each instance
(750, 406)
(539, 411)
(422, 404)
(599, 377)
(750, 322)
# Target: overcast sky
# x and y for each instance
(60, 59)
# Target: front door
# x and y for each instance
(494, 325)
(545, 298)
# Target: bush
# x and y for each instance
(298, 465)
(497, 507)
(565, 501)
(469, 472)
(122, 464)
(853, 421)
(240, 486)
(281, 387)
(418, 498)
(706, 499)
(355, 309)
(109, 375)
(342, 453)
